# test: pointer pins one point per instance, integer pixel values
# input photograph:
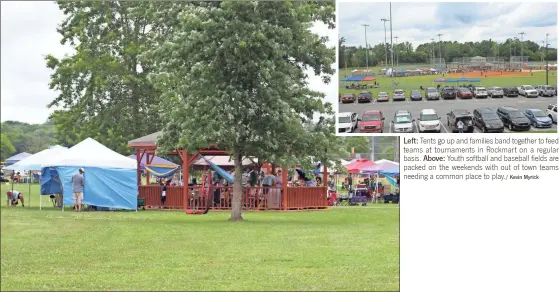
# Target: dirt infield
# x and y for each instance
(490, 74)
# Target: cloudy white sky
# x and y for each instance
(418, 22)
(29, 33)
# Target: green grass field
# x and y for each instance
(414, 82)
(344, 248)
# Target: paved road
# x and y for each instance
(444, 106)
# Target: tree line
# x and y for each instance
(354, 56)
(20, 137)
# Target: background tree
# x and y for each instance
(235, 73)
(6, 147)
(29, 138)
(103, 87)
(360, 144)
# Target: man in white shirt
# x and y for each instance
(460, 126)
(12, 197)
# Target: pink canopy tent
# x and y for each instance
(383, 166)
(358, 165)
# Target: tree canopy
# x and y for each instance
(234, 74)
(24, 137)
(354, 56)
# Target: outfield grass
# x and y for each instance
(352, 248)
(414, 82)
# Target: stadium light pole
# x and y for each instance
(385, 43)
(546, 62)
(391, 47)
(521, 49)
(396, 48)
(366, 48)
(433, 50)
(440, 55)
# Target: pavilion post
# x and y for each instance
(284, 188)
(147, 172)
(138, 174)
(185, 176)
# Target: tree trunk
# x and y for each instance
(236, 201)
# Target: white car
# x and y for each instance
(402, 122)
(429, 121)
(347, 122)
(551, 112)
(545, 90)
(528, 91)
(480, 92)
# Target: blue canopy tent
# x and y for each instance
(110, 178)
(355, 78)
(16, 158)
(474, 80)
(463, 79)
(451, 80)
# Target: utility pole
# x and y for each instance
(433, 50)
(366, 48)
(396, 48)
(440, 55)
(521, 49)
(546, 62)
(385, 43)
(372, 148)
(510, 54)
(391, 47)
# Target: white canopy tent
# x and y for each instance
(112, 180)
(35, 162)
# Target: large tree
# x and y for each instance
(104, 92)
(236, 73)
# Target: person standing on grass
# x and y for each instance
(78, 182)
(163, 193)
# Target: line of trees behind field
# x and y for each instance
(352, 56)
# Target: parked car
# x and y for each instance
(448, 93)
(463, 115)
(551, 112)
(513, 118)
(487, 120)
(402, 122)
(372, 121)
(398, 94)
(347, 122)
(432, 93)
(538, 118)
(348, 97)
(546, 90)
(495, 92)
(429, 121)
(464, 93)
(382, 96)
(365, 97)
(528, 91)
(510, 91)
(480, 92)
(415, 95)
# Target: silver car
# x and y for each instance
(495, 92)
(402, 122)
(398, 94)
(546, 90)
(432, 93)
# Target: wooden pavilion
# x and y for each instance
(254, 198)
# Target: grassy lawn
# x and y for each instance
(351, 248)
(414, 82)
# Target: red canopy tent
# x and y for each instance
(369, 78)
(357, 165)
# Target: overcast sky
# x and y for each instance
(29, 34)
(418, 22)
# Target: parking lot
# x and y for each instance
(442, 107)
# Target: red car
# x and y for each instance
(372, 122)
(348, 97)
(464, 93)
